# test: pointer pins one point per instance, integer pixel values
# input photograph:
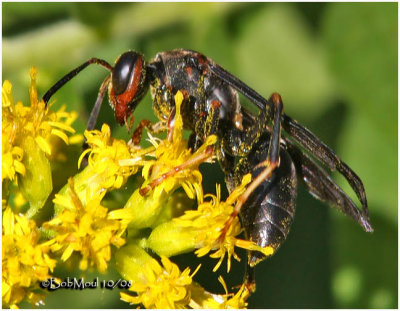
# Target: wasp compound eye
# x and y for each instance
(127, 85)
(123, 70)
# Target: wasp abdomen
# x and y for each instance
(269, 211)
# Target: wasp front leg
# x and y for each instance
(153, 128)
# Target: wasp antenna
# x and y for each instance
(72, 74)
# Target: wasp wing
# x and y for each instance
(322, 186)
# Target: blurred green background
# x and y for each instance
(335, 65)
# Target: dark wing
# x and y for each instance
(239, 85)
(321, 186)
(323, 153)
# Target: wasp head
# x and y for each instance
(128, 84)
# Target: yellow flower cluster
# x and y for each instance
(168, 166)
(82, 225)
(208, 222)
(25, 260)
(85, 226)
(104, 172)
(36, 121)
(164, 286)
(26, 143)
(174, 164)
(157, 281)
(86, 229)
(26, 147)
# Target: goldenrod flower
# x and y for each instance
(11, 160)
(36, 120)
(11, 155)
(162, 287)
(25, 260)
(238, 301)
(165, 286)
(174, 166)
(202, 299)
(86, 229)
(104, 171)
(201, 229)
(26, 134)
(173, 153)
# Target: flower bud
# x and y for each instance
(145, 209)
(36, 185)
(171, 239)
(130, 260)
(175, 206)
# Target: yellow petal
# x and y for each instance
(60, 134)
(43, 144)
(62, 126)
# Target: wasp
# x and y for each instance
(274, 148)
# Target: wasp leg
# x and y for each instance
(250, 278)
(194, 142)
(96, 108)
(171, 124)
(137, 134)
(93, 116)
(209, 151)
(321, 186)
(323, 153)
(270, 163)
(153, 128)
(192, 162)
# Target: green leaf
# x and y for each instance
(361, 41)
(276, 52)
(373, 156)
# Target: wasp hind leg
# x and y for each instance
(250, 279)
